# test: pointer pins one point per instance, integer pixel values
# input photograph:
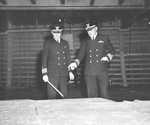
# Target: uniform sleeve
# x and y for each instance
(82, 51)
(109, 49)
(44, 57)
(68, 54)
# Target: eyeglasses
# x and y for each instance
(56, 31)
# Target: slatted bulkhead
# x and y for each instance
(115, 66)
(27, 44)
(137, 58)
(3, 59)
(26, 54)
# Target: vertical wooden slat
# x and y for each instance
(122, 59)
(9, 65)
(3, 59)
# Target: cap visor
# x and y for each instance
(90, 27)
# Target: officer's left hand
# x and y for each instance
(104, 59)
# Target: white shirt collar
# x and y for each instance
(94, 36)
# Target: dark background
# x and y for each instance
(24, 24)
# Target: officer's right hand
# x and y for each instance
(104, 59)
(71, 76)
(45, 78)
(72, 66)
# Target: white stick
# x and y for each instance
(55, 89)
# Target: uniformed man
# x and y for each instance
(97, 51)
(55, 59)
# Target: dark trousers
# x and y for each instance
(60, 82)
(97, 85)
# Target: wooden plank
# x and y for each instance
(3, 59)
(32, 7)
(9, 72)
(122, 59)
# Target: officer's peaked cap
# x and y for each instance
(57, 23)
(89, 24)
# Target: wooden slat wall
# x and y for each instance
(115, 66)
(26, 45)
(137, 58)
(3, 59)
(26, 48)
(26, 54)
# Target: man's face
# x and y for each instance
(56, 32)
(92, 31)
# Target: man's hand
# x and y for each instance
(71, 76)
(105, 59)
(72, 66)
(45, 78)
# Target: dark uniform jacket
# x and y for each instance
(56, 57)
(92, 51)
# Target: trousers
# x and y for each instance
(60, 82)
(97, 85)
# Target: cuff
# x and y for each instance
(109, 56)
(44, 71)
(77, 61)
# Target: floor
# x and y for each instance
(91, 111)
(117, 93)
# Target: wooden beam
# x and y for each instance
(62, 1)
(33, 1)
(70, 8)
(92, 2)
(3, 1)
(122, 59)
(120, 2)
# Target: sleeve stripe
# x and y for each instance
(44, 70)
(77, 61)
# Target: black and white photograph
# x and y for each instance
(74, 62)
